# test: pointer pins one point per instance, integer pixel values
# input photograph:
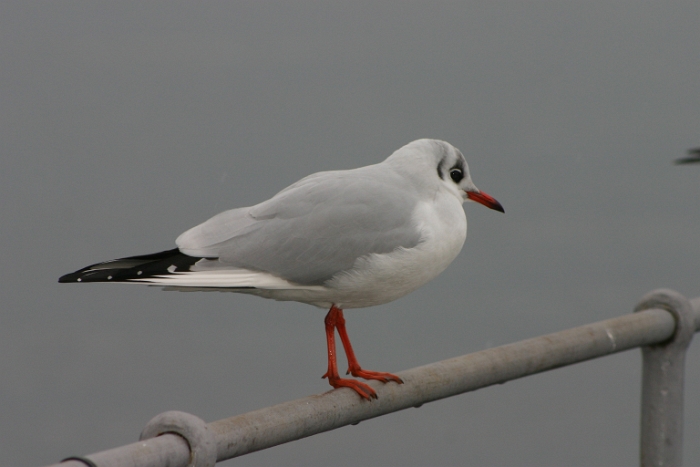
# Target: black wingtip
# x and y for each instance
(68, 278)
(693, 157)
(88, 275)
(133, 267)
(687, 160)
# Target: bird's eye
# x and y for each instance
(456, 175)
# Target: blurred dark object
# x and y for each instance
(693, 157)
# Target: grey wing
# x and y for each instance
(315, 228)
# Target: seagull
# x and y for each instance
(338, 240)
(693, 157)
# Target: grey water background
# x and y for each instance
(124, 124)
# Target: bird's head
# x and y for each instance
(433, 163)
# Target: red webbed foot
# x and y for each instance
(378, 375)
(335, 320)
(359, 387)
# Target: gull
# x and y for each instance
(337, 240)
(693, 157)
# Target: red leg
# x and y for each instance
(353, 366)
(334, 319)
(334, 378)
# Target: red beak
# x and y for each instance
(487, 200)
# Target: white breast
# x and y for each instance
(381, 278)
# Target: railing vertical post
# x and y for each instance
(661, 440)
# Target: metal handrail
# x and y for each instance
(662, 325)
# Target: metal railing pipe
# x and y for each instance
(298, 419)
(663, 375)
(168, 450)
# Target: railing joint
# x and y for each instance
(663, 374)
(193, 429)
(681, 310)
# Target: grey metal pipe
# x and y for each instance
(167, 450)
(695, 305)
(298, 419)
(289, 421)
(663, 375)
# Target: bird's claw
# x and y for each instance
(378, 375)
(359, 387)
